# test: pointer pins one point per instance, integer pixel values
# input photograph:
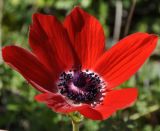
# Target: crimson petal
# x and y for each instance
(114, 100)
(58, 103)
(120, 62)
(91, 113)
(87, 36)
(30, 67)
(120, 99)
(51, 44)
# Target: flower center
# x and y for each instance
(82, 87)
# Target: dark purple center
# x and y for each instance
(81, 86)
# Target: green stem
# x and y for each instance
(76, 118)
(75, 126)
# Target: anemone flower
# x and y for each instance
(68, 64)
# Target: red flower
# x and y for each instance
(69, 66)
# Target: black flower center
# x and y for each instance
(82, 86)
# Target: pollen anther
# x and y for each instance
(82, 87)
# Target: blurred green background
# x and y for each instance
(18, 109)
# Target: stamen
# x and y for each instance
(82, 87)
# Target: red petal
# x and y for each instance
(58, 103)
(125, 58)
(120, 99)
(100, 113)
(50, 42)
(87, 36)
(106, 112)
(114, 100)
(91, 113)
(29, 66)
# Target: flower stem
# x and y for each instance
(75, 126)
(76, 118)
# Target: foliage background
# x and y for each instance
(18, 109)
